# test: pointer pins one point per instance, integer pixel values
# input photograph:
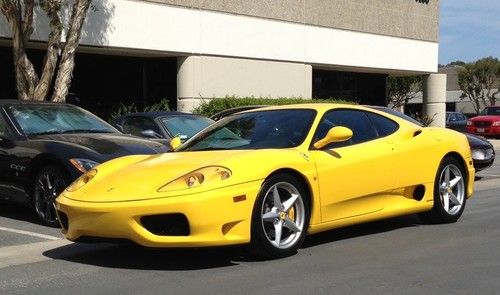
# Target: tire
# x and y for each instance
(282, 205)
(449, 193)
(48, 183)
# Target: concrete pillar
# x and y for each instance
(434, 99)
(205, 77)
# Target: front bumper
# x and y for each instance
(216, 217)
(484, 131)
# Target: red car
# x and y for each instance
(487, 123)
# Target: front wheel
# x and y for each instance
(449, 193)
(47, 185)
(280, 217)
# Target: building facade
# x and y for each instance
(190, 50)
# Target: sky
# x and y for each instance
(468, 30)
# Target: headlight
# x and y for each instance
(478, 154)
(497, 123)
(202, 176)
(469, 123)
(81, 181)
(83, 165)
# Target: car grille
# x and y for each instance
(482, 123)
(166, 224)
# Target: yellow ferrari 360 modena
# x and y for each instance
(268, 177)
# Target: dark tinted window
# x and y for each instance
(491, 111)
(361, 126)
(134, 126)
(3, 128)
(383, 125)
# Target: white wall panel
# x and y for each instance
(128, 24)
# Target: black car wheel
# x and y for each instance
(280, 217)
(449, 193)
(48, 184)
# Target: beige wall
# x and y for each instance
(204, 77)
(399, 18)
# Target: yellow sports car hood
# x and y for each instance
(141, 177)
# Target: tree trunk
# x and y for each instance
(51, 57)
(67, 63)
(26, 77)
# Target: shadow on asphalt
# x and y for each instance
(360, 230)
(131, 256)
(18, 212)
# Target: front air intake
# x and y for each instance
(175, 224)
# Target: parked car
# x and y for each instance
(483, 152)
(456, 121)
(161, 126)
(267, 177)
(230, 111)
(487, 123)
(45, 146)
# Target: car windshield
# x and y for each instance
(37, 119)
(185, 126)
(254, 130)
(491, 111)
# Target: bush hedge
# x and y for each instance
(215, 105)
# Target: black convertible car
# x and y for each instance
(45, 146)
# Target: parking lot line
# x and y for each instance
(28, 233)
(28, 253)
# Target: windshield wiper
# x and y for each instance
(48, 132)
(86, 131)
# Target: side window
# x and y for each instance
(383, 125)
(3, 128)
(134, 126)
(362, 129)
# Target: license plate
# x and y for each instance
(480, 130)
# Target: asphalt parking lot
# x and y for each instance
(399, 256)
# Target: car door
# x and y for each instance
(354, 175)
(13, 165)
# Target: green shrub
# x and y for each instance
(122, 109)
(162, 105)
(215, 105)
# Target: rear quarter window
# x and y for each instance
(383, 125)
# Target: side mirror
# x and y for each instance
(336, 134)
(150, 134)
(175, 142)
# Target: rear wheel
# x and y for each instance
(449, 193)
(280, 217)
(47, 185)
